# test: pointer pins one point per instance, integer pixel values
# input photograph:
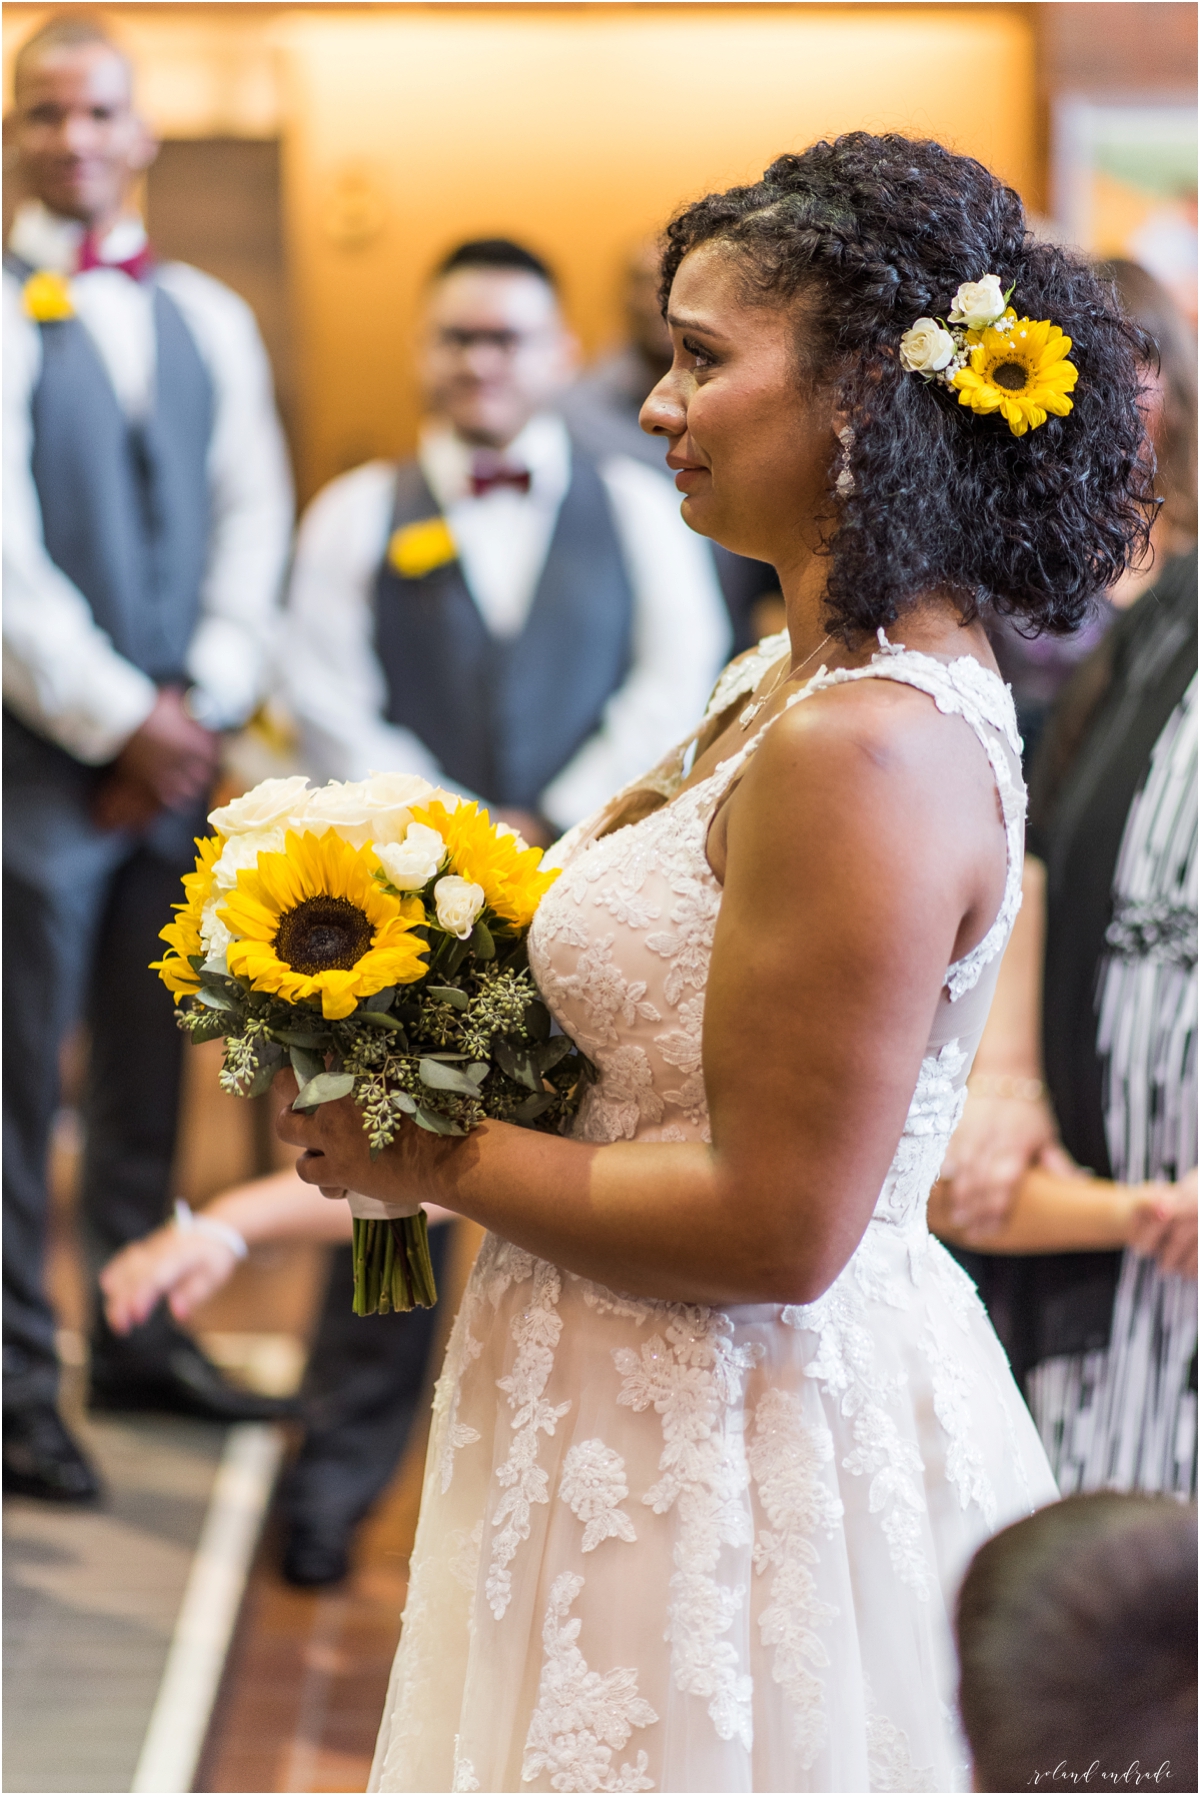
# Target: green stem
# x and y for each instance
(392, 1267)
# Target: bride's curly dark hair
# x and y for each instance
(869, 234)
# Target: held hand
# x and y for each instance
(186, 1268)
(170, 755)
(995, 1143)
(337, 1156)
(1165, 1226)
(123, 803)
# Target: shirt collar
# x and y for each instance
(45, 240)
(543, 447)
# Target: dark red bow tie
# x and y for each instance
(137, 267)
(487, 475)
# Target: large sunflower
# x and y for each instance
(183, 935)
(1021, 372)
(512, 885)
(313, 922)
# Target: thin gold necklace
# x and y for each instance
(758, 704)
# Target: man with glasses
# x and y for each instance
(506, 614)
(514, 618)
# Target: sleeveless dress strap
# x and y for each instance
(961, 688)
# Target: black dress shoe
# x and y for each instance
(41, 1459)
(313, 1556)
(158, 1367)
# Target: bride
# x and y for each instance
(720, 1425)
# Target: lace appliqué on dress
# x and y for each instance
(593, 1487)
(786, 1456)
(693, 1378)
(535, 1329)
(582, 1717)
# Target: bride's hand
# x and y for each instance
(337, 1156)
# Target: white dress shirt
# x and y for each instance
(333, 680)
(62, 675)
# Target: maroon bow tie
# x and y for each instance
(487, 475)
(137, 267)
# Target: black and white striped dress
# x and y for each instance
(1124, 1416)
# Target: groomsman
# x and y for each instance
(506, 613)
(510, 615)
(147, 508)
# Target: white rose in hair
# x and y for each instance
(926, 348)
(411, 863)
(978, 302)
(273, 801)
(458, 903)
(241, 853)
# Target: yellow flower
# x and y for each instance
(512, 885)
(1021, 372)
(314, 922)
(47, 297)
(183, 935)
(416, 549)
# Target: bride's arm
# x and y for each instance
(863, 853)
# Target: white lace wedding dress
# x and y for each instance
(680, 1548)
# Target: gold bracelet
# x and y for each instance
(1001, 1084)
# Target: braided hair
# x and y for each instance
(866, 234)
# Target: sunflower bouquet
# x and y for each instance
(372, 937)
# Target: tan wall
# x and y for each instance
(578, 128)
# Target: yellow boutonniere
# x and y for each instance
(417, 549)
(47, 297)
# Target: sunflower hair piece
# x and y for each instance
(995, 361)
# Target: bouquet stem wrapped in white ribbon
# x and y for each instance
(372, 937)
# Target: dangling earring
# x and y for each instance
(845, 480)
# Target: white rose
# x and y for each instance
(978, 302)
(926, 348)
(411, 863)
(241, 853)
(396, 791)
(343, 806)
(214, 936)
(271, 802)
(458, 903)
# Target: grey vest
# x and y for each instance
(505, 716)
(125, 505)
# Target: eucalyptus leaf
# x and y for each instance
(380, 1000)
(306, 1065)
(216, 1000)
(551, 1052)
(440, 1077)
(296, 1037)
(325, 1087)
(534, 1106)
(537, 1020)
(403, 1101)
(517, 1064)
(482, 944)
(435, 1124)
(378, 1020)
(263, 1079)
(450, 994)
(478, 1070)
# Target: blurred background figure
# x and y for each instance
(1037, 669)
(1077, 1647)
(601, 409)
(147, 508)
(506, 614)
(1089, 1058)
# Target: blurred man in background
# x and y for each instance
(601, 409)
(507, 614)
(147, 509)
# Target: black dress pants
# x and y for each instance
(82, 911)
